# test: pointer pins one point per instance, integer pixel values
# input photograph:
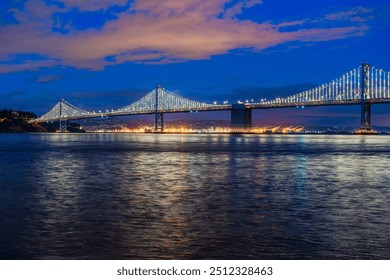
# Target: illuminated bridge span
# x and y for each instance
(364, 85)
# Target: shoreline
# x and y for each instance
(197, 133)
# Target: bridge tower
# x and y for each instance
(365, 99)
(159, 117)
(241, 117)
(62, 123)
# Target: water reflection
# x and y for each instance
(124, 196)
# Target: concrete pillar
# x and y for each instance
(241, 117)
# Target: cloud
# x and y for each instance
(353, 15)
(47, 79)
(93, 5)
(13, 94)
(27, 65)
(239, 6)
(292, 23)
(153, 32)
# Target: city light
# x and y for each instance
(266, 129)
(345, 90)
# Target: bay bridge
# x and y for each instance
(364, 85)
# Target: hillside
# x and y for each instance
(17, 121)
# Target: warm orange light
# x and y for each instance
(183, 130)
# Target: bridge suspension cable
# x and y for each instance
(346, 89)
(63, 110)
(164, 102)
(167, 101)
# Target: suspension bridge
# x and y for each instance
(364, 85)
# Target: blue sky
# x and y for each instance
(106, 54)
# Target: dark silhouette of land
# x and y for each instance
(18, 121)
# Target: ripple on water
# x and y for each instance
(125, 196)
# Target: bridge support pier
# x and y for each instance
(366, 116)
(62, 125)
(159, 122)
(365, 95)
(365, 121)
(159, 117)
(241, 118)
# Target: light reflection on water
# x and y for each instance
(126, 196)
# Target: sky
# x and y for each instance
(106, 54)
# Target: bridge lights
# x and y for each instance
(371, 92)
(380, 83)
(351, 85)
(388, 84)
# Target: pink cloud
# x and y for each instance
(314, 35)
(27, 65)
(239, 6)
(93, 5)
(153, 32)
(351, 14)
(292, 23)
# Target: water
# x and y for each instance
(151, 196)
